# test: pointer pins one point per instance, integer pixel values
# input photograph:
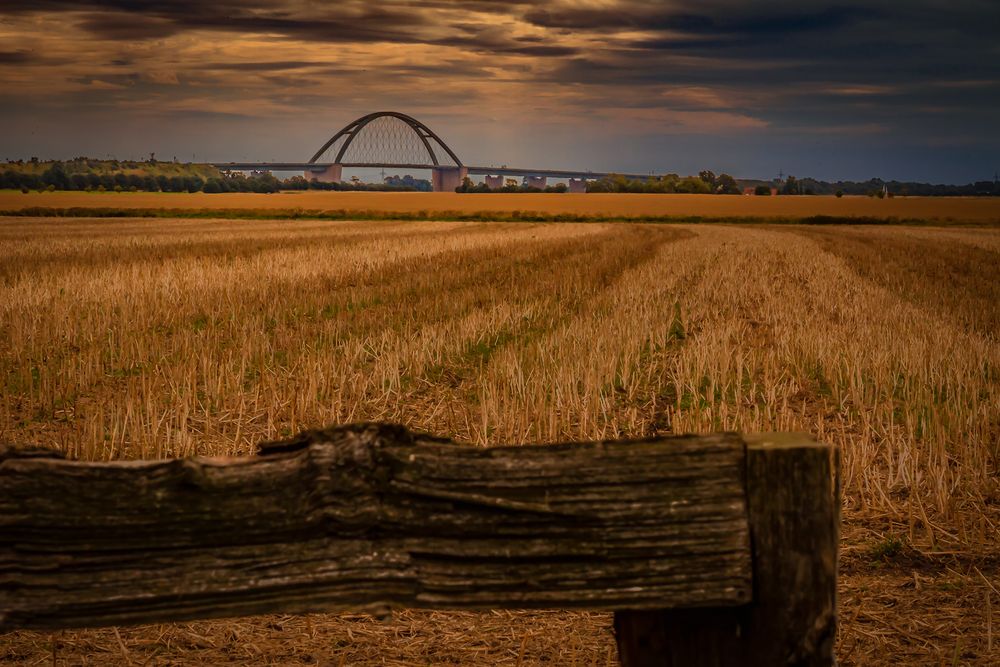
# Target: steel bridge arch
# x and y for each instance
(352, 129)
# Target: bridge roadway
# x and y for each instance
(479, 171)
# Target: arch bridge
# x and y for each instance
(393, 140)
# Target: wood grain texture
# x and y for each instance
(794, 508)
(369, 517)
(793, 490)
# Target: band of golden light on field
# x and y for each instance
(152, 338)
(972, 209)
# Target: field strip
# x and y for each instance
(422, 205)
(822, 350)
(405, 368)
(572, 292)
(925, 270)
(110, 229)
(382, 373)
(590, 376)
(268, 269)
(159, 338)
(985, 239)
(66, 241)
(115, 324)
(141, 246)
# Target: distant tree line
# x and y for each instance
(875, 187)
(510, 185)
(85, 164)
(301, 183)
(74, 175)
(88, 174)
(56, 178)
(706, 182)
(408, 182)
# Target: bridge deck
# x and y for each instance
(478, 171)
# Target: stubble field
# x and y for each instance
(152, 338)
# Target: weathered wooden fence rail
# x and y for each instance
(715, 550)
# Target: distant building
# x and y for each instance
(752, 190)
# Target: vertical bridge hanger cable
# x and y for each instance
(386, 138)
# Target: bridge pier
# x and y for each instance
(332, 174)
(577, 185)
(535, 182)
(494, 182)
(446, 179)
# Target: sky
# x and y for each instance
(833, 90)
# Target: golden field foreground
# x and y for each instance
(161, 338)
(968, 209)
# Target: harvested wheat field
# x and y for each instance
(150, 338)
(965, 209)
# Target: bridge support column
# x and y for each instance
(535, 182)
(446, 179)
(332, 174)
(494, 182)
(577, 185)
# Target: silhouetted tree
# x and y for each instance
(791, 187)
(693, 185)
(726, 185)
(56, 176)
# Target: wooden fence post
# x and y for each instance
(794, 508)
(369, 516)
(736, 536)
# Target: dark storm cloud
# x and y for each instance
(124, 26)
(17, 57)
(727, 20)
(346, 22)
(118, 26)
(916, 41)
(140, 19)
(492, 45)
(877, 27)
(263, 66)
(133, 6)
(900, 52)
